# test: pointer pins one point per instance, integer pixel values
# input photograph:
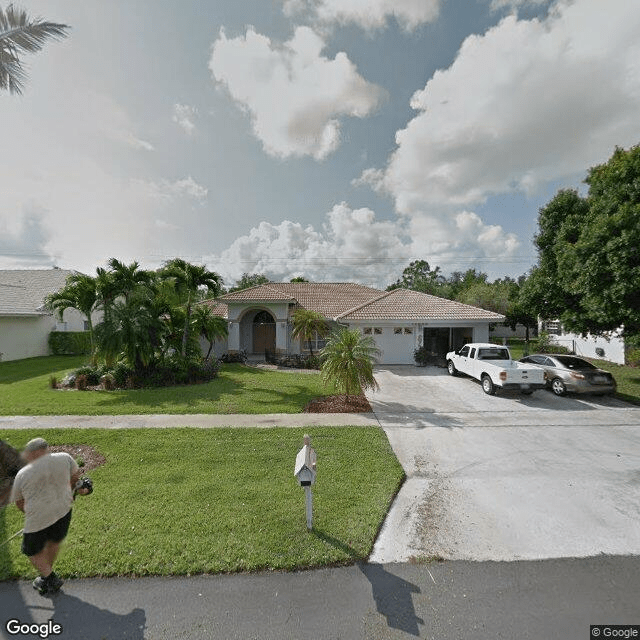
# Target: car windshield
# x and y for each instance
(493, 354)
(570, 362)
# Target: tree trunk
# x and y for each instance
(185, 334)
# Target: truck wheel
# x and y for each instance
(487, 385)
(558, 387)
(451, 368)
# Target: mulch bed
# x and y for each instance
(339, 404)
(83, 452)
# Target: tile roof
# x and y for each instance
(22, 291)
(327, 298)
(404, 304)
(217, 308)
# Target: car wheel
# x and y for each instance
(558, 387)
(451, 368)
(487, 385)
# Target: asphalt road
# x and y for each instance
(506, 477)
(548, 600)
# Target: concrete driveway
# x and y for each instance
(506, 477)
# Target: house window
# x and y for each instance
(377, 331)
(408, 331)
(367, 331)
(397, 331)
(316, 343)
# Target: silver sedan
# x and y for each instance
(572, 374)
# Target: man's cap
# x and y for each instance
(36, 445)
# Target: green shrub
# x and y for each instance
(92, 374)
(53, 382)
(121, 373)
(69, 343)
(544, 344)
(81, 383)
(633, 357)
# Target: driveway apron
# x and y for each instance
(506, 477)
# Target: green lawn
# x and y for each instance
(185, 501)
(24, 390)
(628, 378)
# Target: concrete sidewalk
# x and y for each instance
(552, 599)
(202, 421)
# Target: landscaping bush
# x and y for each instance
(81, 383)
(546, 345)
(121, 373)
(69, 343)
(236, 356)
(92, 374)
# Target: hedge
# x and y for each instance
(69, 343)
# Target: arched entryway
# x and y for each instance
(264, 332)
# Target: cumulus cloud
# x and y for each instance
(498, 5)
(528, 102)
(295, 95)
(184, 116)
(169, 190)
(368, 14)
(352, 245)
(24, 238)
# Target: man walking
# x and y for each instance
(43, 490)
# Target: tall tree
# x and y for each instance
(419, 276)
(78, 293)
(588, 272)
(307, 324)
(188, 279)
(249, 280)
(347, 361)
(20, 34)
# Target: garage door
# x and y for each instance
(396, 344)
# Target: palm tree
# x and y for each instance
(307, 324)
(209, 325)
(188, 278)
(78, 293)
(347, 361)
(20, 34)
(127, 278)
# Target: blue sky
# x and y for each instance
(332, 139)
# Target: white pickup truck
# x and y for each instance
(493, 366)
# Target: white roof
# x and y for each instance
(23, 291)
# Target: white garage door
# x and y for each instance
(396, 344)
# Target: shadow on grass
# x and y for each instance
(19, 370)
(392, 595)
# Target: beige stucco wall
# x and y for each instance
(27, 336)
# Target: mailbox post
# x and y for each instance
(305, 472)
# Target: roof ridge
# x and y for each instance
(364, 304)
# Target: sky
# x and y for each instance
(331, 139)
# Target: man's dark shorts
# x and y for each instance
(34, 543)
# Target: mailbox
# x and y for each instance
(305, 473)
(305, 470)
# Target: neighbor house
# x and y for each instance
(25, 324)
(611, 347)
(400, 321)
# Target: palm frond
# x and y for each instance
(20, 34)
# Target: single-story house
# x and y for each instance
(400, 321)
(24, 322)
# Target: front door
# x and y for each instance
(264, 332)
(264, 337)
